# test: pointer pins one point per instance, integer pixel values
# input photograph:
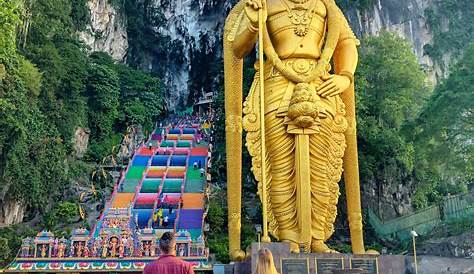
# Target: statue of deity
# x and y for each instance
(299, 116)
(113, 247)
(71, 250)
(61, 249)
(121, 250)
(146, 250)
(55, 247)
(86, 251)
(131, 249)
(104, 249)
(43, 251)
(79, 249)
(95, 249)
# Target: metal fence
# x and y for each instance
(423, 221)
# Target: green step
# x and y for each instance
(194, 186)
(135, 172)
(193, 174)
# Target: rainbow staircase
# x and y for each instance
(162, 189)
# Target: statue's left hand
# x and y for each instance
(333, 85)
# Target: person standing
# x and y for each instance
(168, 263)
(202, 172)
(265, 263)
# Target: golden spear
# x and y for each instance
(265, 237)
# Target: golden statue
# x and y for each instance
(299, 117)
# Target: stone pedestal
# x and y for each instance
(285, 261)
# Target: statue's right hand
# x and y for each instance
(251, 10)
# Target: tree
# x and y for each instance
(391, 91)
(103, 91)
(444, 131)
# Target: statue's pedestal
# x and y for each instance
(312, 263)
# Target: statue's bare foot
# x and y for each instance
(294, 247)
(318, 246)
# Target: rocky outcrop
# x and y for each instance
(81, 141)
(192, 28)
(11, 212)
(440, 265)
(196, 25)
(130, 141)
(461, 246)
(404, 17)
(106, 31)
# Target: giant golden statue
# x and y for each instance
(299, 116)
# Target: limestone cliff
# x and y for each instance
(192, 27)
(11, 212)
(106, 31)
(404, 17)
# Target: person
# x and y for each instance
(170, 209)
(159, 215)
(195, 165)
(202, 172)
(168, 263)
(265, 264)
(166, 221)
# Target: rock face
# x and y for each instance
(404, 17)
(11, 212)
(461, 246)
(106, 31)
(193, 29)
(81, 141)
(131, 140)
(196, 25)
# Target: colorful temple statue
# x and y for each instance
(72, 250)
(147, 239)
(43, 242)
(79, 239)
(26, 247)
(105, 249)
(86, 251)
(61, 248)
(299, 117)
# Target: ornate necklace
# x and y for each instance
(299, 1)
(300, 16)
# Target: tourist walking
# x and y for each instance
(168, 263)
(202, 172)
(265, 264)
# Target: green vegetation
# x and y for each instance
(390, 94)
(406, 134)
(49, 87)
(452, 25)
(443, 134)
(62, 214)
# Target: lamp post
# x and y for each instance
(258, 229)
(413, 236)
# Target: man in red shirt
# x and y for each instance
(167, 263)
